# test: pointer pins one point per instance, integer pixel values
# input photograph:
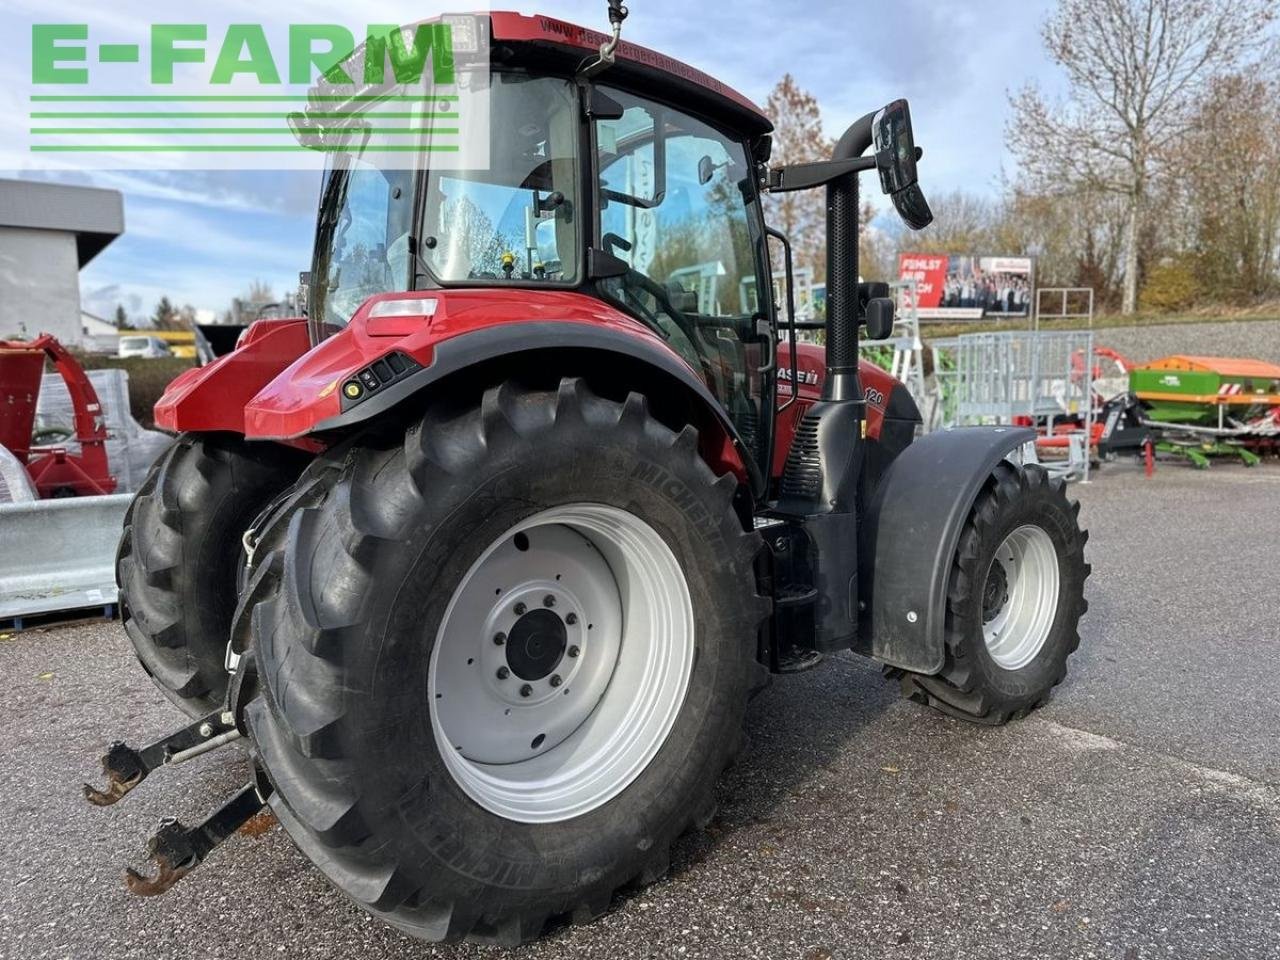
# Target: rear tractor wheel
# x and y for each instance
(505, 662)
(1015, 599)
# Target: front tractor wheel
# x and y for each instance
(506, 662)
(1014, 601)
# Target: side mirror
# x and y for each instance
(601, 106)
(879, 318)
(896, 157)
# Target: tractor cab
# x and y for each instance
(644, 195)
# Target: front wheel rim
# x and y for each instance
(1020, 597)
(561, 663)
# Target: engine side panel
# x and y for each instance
(892, 416)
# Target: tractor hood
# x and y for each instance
(395, 336)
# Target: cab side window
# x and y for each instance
(673, 207)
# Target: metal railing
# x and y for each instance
(1072, 303)
(1037, 377)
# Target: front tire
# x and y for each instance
(1014, 602)
(410, 722)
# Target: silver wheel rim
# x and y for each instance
(540, 747)
(1020, 597)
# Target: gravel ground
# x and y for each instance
(1137, 816)
(1259, 339)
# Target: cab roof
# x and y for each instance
(642, 67)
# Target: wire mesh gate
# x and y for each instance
(1041, 378)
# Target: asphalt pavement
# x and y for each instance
(1137, 816)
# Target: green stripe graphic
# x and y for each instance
(269, 131)
(236, 115)
(235, 147)
(230, 98)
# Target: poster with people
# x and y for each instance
(950, 287)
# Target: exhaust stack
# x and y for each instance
(843, 306)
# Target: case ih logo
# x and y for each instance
(802, 376)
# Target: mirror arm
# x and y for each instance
(806, 176)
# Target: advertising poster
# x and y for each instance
(952, 287)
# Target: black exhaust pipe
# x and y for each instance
(844, 310)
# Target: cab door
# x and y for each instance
(677, 203)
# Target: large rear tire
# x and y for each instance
(179, 554)
(506, 662)
(1014, 602)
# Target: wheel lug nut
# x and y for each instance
(499, 639)
(548, 601)
(520, 609)
(555, 680)
(574, 651)
(526, 691)
(571, 619)
(503, 673)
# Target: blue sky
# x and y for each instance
(201, 238)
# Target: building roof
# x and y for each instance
(95, 326)
(95, 216)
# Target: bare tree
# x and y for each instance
(1136, 69)
(1229, 197)
(259, 292)
(962, 223)
(798, 138)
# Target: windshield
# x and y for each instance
(507, 217)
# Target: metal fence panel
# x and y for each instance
(1046, 376)
(59, 554)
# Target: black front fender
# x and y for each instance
(908, 538)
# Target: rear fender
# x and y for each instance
(909, 535)
(475, 334)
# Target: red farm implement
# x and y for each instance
(55, 470)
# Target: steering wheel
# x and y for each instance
(663, 299)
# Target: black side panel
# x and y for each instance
(452, 356)
(819, 490)
(909, 535)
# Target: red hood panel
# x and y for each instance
(213, 397)
(306, 393)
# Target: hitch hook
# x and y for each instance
(176, 849)
(125, 767)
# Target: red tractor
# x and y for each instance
(485, 557)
